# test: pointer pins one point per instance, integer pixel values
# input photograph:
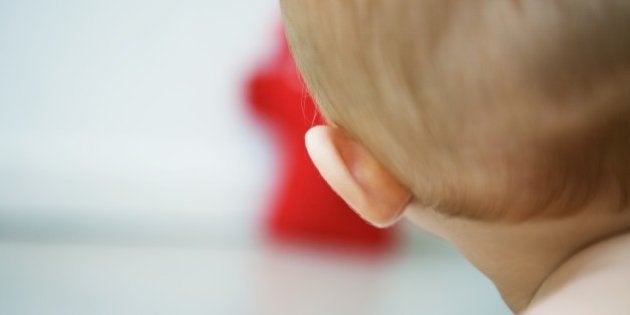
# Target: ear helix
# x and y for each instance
(354, 173)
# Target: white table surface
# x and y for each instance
(263, 279)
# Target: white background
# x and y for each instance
(128, 115)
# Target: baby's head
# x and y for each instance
(494, 110)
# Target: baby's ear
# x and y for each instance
(353, 172)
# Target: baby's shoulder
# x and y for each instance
(594, 281)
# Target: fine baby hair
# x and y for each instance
(495, 110)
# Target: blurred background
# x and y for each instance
(134, 180)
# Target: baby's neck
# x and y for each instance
(519, 257)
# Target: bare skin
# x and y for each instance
(522, 258)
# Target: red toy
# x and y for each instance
(304, 207)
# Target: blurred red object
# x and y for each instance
(304, 208)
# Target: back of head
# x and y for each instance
(485, 109)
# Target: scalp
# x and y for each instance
(485, 109)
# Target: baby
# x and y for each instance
(501, 126)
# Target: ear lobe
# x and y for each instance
(354, 173)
